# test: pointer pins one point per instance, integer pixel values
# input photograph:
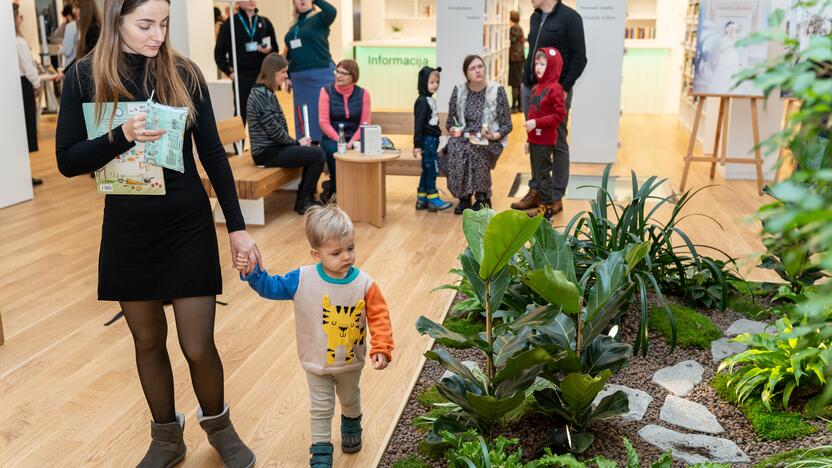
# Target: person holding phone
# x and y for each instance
(254, 38)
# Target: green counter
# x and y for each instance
(391, 74)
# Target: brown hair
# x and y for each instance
(514, 16)
(351, 66)
(16, 12)
(272, 64)
(167, 68)
(88, 16)
(467, 63)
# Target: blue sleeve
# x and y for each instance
(274, 287)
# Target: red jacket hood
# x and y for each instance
(554, 66)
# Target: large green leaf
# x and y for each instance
(474, 224)
(538, 316)
(610, 276)
(491, 408)
(552, 248)
(505, 234)
(437, 332)
(635, 253)
(521, 361)
(579, 390)
(606, 311)
(471, 269)
(555, 287)
(499, 286)
(507, 345)
(452, 364)
(605, 353)
(611, 406)
(581, 441)
(559, 332)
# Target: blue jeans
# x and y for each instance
(330, 147)
(427, 182)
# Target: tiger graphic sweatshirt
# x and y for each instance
(331, 316)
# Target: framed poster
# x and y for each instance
(721, 24)
(804, 23)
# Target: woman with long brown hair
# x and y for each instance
(88, 25)
(164, 247)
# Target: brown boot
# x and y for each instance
(529, 201)
(167, 447)
(223, 437)
(557, 207)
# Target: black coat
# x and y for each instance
(563, 30)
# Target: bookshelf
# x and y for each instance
(495, 33)
(641, 25)
(410, 18)
(687, 104)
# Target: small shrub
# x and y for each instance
(431, 451)
(693, 328)
(770, 425)
(748, 306)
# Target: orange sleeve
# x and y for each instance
(378, 321)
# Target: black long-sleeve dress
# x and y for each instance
(152, 247)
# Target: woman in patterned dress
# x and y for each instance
(479, 121)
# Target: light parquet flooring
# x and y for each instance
(69, 393)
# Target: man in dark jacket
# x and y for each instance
(554, 24)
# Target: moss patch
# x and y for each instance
(431, 451)
(461, 325)
(795, 455)
(692, 328)
(430, 397)
(410, 462)
(816, 408)
(775, 425)
(748, 306)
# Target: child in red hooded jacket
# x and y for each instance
(547, 109)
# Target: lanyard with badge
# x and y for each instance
(295, 43)
(251, 30)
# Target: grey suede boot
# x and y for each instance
(167, 447)
(223, 437)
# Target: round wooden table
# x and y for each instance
(361, 186)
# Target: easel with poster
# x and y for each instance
(720, 148)
(718, 60)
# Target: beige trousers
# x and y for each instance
(322, 391)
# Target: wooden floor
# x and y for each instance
(69, 393)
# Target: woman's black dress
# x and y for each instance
(152, 247)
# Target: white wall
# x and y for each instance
(459, 32)
(15, 175)
(29, 30)
(192, 32)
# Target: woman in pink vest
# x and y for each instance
(341, 104)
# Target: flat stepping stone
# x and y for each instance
(724, 347)
(471, 365)
(679, 379)
(745, 326)
(693, 448)
(639, 400)
(689, 415)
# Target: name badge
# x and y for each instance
(251, 46)
(267, 42)
(294, 43)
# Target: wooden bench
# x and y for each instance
(398, 126)
(253, 183)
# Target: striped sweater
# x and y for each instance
(266, 122)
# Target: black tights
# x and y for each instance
(195, 328)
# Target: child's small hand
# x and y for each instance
(530, 125)
(379, 361)
(526, 148)
(241, 263)
(417, 152)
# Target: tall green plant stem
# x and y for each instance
(580, 324)
(489, 333)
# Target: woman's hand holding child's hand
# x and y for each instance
(379, 361)
(530, 125)
(417, 152)
(241, 263)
